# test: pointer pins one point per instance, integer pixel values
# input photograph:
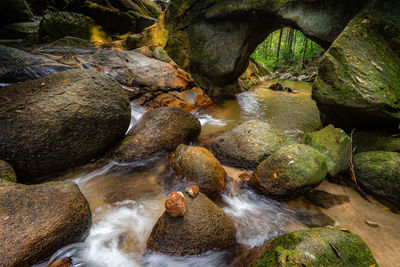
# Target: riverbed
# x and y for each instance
(127, 199)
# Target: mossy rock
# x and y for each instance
(379, 173)
(199, 167)
(19, 30)
(68, 44)
(14, 11)
(364, 141)
(56, 25)
(7, 172)
(314, 247)
(248, 144)
(289, 172)
(358, 85)
(334, 144)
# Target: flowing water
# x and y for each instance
(127, 199)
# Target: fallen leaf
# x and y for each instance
(42, 84)
(345, 230)
(65, 81)
(264, 132)
(336, 250)
(18, 110)
(291, 162)
(373, 265)
(275, 175)
(289, 157)
(137, 141)
(361, 80)
(371, 223)
(19, 83)
(281, 140)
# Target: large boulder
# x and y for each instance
(198, 166)
(59, 24)
(364, 141)
(289, 172)
(118, 16)
(379, 173)
(134, 69)
(334, 144)
(313, 247)
(17, 30)
(37, 220)
(18, 66)
(161, 129)
(14, 11)
(60, 120)
(214, 41)
(7, 172)
(204, 227)
(358, 83)
(248, 144)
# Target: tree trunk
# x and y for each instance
(304, 52)
(279, 43)
(294, 43)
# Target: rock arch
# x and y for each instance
(213, 39)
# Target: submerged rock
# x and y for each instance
(248, 144)
(358, 83)
(334, 144)
(379, 173)
(197, 165)
(175, 204)
(313, 247)
(37, 220)
(204, 227)
(289, 172)
(161, 129)
(60, 120)
(18, 66)
(7, 172)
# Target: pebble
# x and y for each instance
(175, 204)
(192, 190)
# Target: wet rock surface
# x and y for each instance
(175, 204)
(379, 173)
(289, 172)
(248, 144)
(313, 247)
(197, 165)
(161, 129)
(357, 83)
(37, 220)
(325, 199)
(203, 227)
(82, 113)
(334, 144)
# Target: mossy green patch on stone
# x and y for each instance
(7, 172)
(334, 144)
(314, 247)
(379, 173)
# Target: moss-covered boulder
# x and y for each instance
(161, 129)
(364, 141)
(358, 83)
(7, 172)
(60, 120)
(254, 74)
(14, 11)
(17, 30)
(289, 172)
(199, 167)
(334, 144)
(37, 220)
(313, 247)
(379, 173)
(248, 144)
(57, 25)
(204, 227)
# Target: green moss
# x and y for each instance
(314, 247)
(6, 172)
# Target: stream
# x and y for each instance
(127, 199)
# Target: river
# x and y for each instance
(127, 199)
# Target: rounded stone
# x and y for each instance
(175, 204)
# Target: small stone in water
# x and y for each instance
(175, 204)
(192, 190)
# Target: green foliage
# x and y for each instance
(291, 49)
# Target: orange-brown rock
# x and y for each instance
(37, 220)
(64, 262)
(192, 190)
(175, 204)
(199, 166)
